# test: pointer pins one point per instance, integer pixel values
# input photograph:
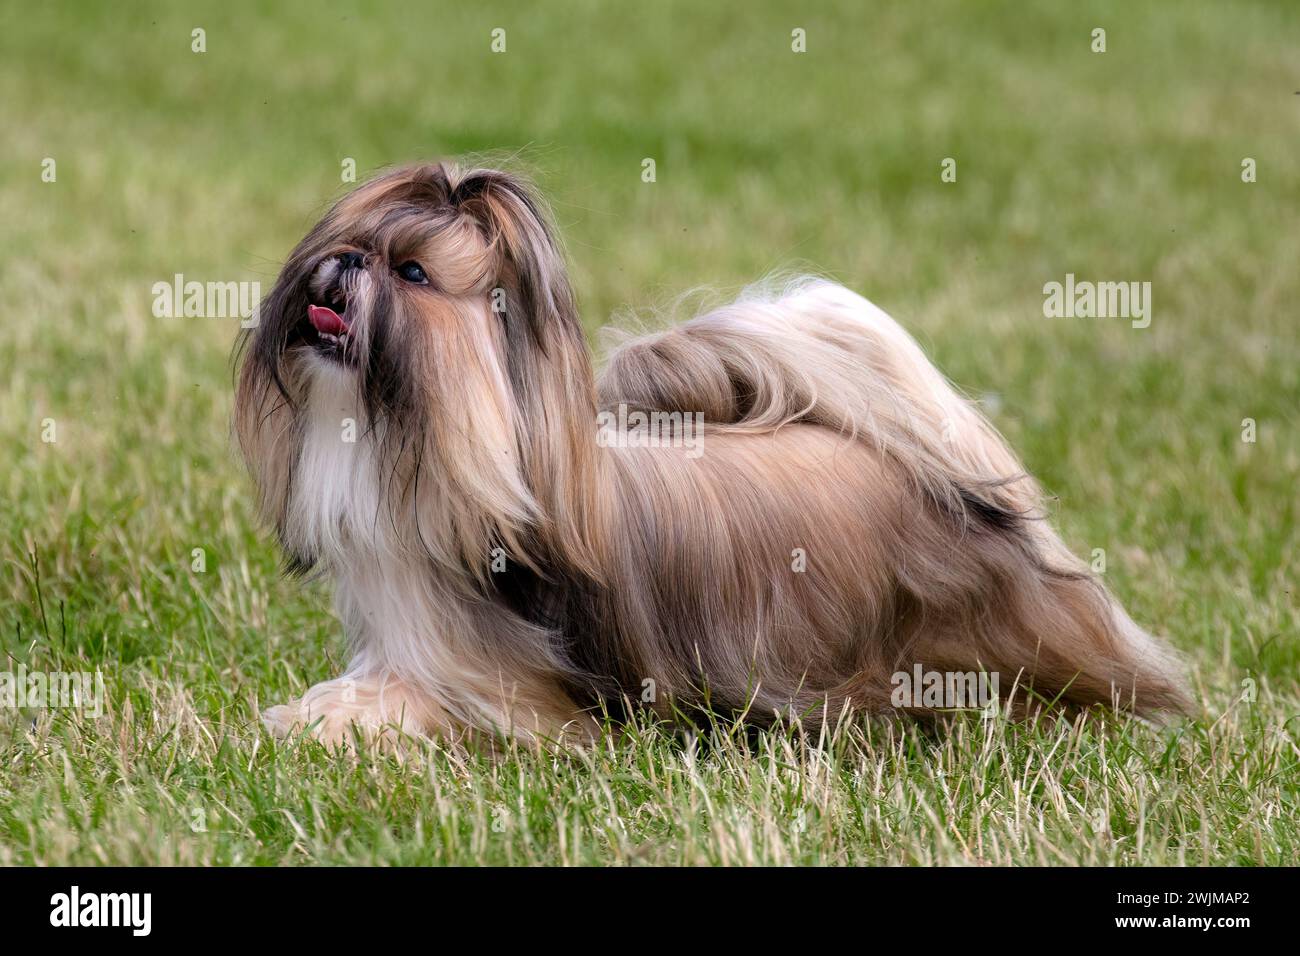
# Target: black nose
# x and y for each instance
(351, 260)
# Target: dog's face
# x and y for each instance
(438, 301)
(391, 284)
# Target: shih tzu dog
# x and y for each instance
(419, 411)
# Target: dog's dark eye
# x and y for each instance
(411, 272)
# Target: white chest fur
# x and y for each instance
(335, 499)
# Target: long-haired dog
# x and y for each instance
(419, 411)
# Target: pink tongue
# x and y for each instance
(326, 320)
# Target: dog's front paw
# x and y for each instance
(281, 719)
(339, 712)
(332, 722)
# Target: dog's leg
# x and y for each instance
(381, 708)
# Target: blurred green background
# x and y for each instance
(1123, 165)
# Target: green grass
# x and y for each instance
(1122, 165)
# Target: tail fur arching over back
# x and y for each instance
(988, 581)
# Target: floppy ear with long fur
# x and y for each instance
(548, 363)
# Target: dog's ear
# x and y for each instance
(537, 295)
(546, 358)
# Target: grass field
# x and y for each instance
(1122, 165)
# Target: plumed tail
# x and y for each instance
(818, 353)
(987, 579)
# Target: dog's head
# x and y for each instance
(435, 299)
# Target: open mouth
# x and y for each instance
(327, 331)
(329, 327)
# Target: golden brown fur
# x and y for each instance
(844, 515)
